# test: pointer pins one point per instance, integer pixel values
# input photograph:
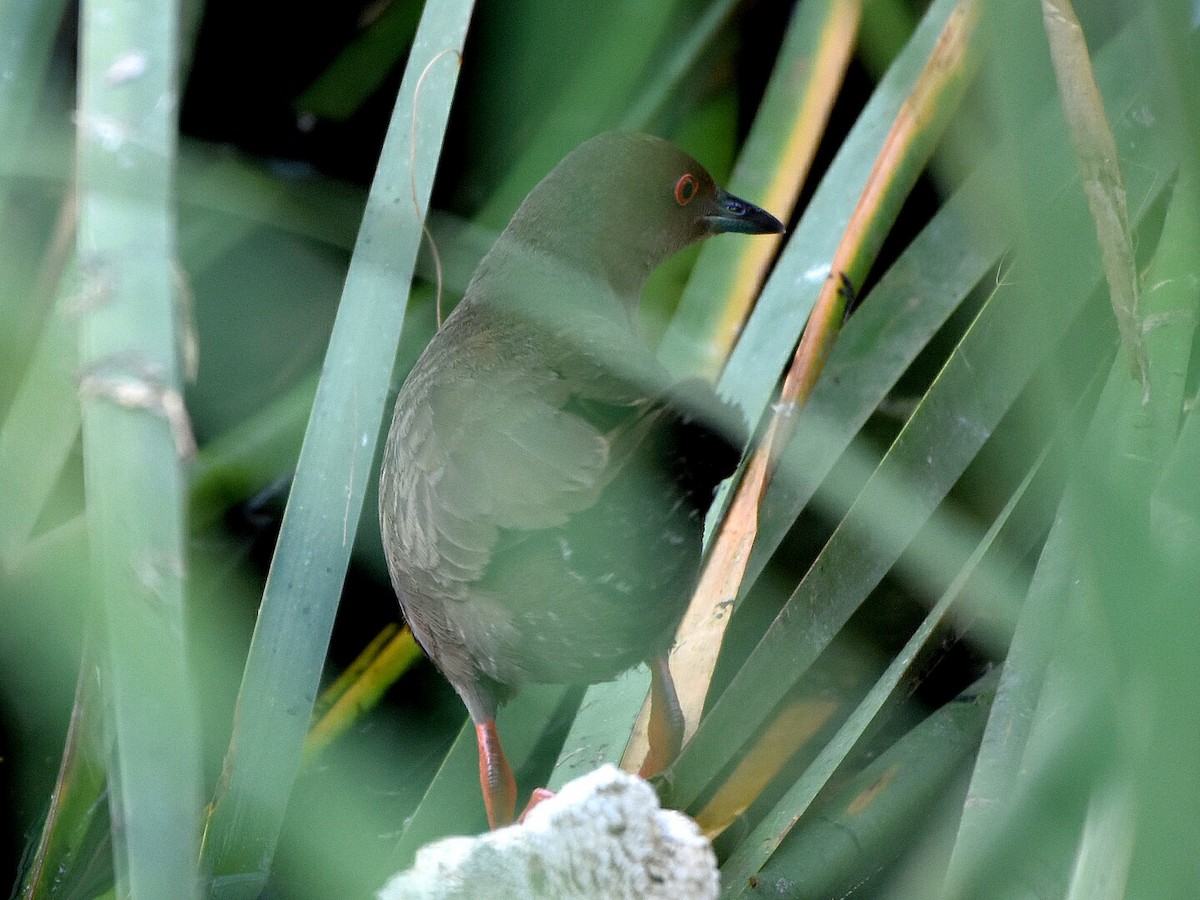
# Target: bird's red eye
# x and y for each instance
(685, 189)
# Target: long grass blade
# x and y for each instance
(754, 851)
(134, 435)
(39, 431)
(904, 154)
(27, 31)
(1097, 155)
(870, 821)
(773, 329)
(1003, 339)
(304, 584)
(771, 168)
(779, 317)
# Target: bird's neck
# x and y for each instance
(549, 282)
(585, 229)
(624, 273)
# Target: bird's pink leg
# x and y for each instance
(665, 731)
(495, 777)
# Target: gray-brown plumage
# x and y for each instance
(544, 484)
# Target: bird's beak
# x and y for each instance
(731, 213)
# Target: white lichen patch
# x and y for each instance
(126, 67)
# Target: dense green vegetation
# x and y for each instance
(961, 660)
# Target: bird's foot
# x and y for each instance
(665, 731)
(538, 795)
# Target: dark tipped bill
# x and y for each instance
(735, 214)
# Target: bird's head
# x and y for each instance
(621, 203)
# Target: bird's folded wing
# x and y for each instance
(519, 460)
(486, 455)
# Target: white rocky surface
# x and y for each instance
(603, 837)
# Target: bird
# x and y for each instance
(544, 482)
